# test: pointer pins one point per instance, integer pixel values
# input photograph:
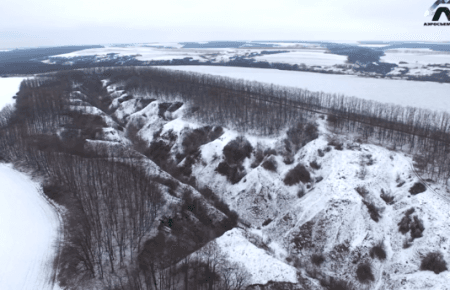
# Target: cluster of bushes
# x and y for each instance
(364, 273)
(412, 224)
(194, 138)
(373, 210)
(433, 261)
(417, 188)
(234, 154)
(317, 259)
(298, 136)
(270, 164)
(297, 174)
(378, 251)
(260, 154)
(387, 197)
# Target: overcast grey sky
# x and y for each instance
(59, 22)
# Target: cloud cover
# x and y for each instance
(51, 22)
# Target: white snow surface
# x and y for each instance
(8, 88)
(28, 227)
(416, 56)
(427, 95)
(262, 266)
(308, 57)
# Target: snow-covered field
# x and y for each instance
(8, 88)
(28, 232)
(28, 223)
(429, 95)
(146, 53)
(416, 57)
(308, 57)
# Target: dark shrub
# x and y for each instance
(337, 284)
(407, 243)
(401, 184)
(388, 199)
(434, 261)
(320, 152)
(301, 134)
(300, 192)
(223, 168)
(339, 147)
(270, 164)
(259, 156)
(317, 259)
(364, 273)
(416, 227)
(403, 225)
(54, 192)
(333, 119)
(297, 174)
(378, 251)
(362, 191)
(373, 210)
(314, 165)
(270, 151)
(417, 188)
(159, 152)
(193, 139)
(266, 222)
(237, 150)
(410, 211)
(233, 173)
(328, 149)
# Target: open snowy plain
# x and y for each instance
(427, 95)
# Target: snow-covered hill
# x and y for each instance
(358, 199)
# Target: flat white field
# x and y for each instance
(308, 57)
(28, 231)
(8, 88)
(428, 95)
(145, 53)
(415, 57)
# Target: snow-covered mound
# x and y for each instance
(29, 234)
(262, 266)
(358, 197)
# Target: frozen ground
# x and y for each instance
(28, 227)
(429, 95)
(8, 88)
(416, 57)
(308, 57)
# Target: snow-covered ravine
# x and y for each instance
(29, 233)
(426, 95)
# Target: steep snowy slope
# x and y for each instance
(358, 198)
(28, 239)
